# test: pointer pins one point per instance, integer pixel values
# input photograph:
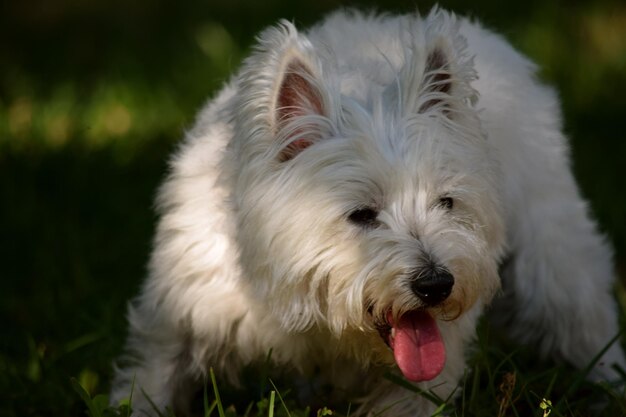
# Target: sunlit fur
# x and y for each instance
(254, 251)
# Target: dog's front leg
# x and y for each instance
(158, 370)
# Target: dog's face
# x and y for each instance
(379, 216)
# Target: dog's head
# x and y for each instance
(366, 198)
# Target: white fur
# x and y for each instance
(253, 254)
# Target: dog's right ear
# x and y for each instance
(283, 96)
(299, 107)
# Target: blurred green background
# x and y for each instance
(95, 94)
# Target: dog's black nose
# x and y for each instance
(433, 287)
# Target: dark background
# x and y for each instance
(94, 96)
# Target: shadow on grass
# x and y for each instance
(76, 228)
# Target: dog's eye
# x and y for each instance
(446, 203)
(364, 217)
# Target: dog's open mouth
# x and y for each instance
(416, 343)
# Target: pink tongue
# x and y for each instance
(417, 346)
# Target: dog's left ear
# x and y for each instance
(437, 81)
(436, 77)
(428, 82)
(299, 107)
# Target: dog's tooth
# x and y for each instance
(393, 333)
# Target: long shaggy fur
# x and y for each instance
(433, 124)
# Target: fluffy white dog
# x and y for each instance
(347, 201)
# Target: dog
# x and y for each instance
(348, 201)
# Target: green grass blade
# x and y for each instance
(583, 374)
(463, 392)
(84, 395)
(130, 397)
(270, 412)
(265, 372)
(208, 410)
(280, 397)
(220, 409)
(152, 404)
(405, 384)
(248, 410)
(439, 411)
(473, 400)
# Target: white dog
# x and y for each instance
(346, 203)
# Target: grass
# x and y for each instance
(498, 383)
(94, 96)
